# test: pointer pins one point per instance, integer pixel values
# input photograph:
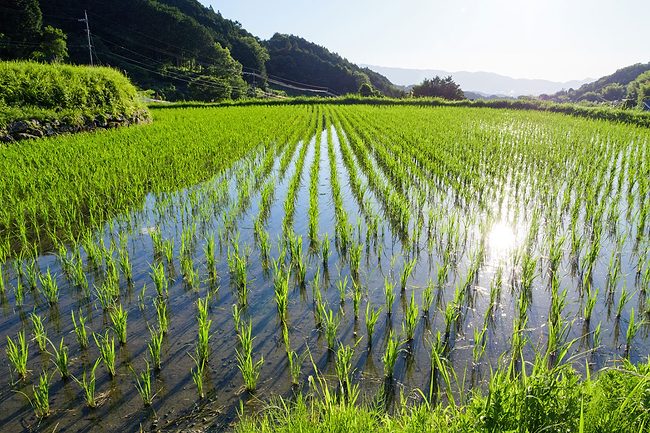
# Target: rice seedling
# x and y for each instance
(40, 333)
(161, 314)
(106, 346)
(125, 263)
(372, 315)
(427, 297)
(119, 318)
(197, 377)
(40, 400)
(331, 325)
(622, 301)
(355, 261)
(155, 347)
(203, 339)
(391, 352)
(344, 368)
(210, 258)
(389, 295)
(87, 384)
(406, 273)
(295, 366)
(50, 288)
(342, 286)
(61, 360)
(592, 297)
(143, 385)
(236, 316)
(325, 250)
(19, 294)
(249, 369)
(480, 342)
(281, 286)
(17, 353)
(632, 330)
(411, 317)
(356, 299)
(160, 279)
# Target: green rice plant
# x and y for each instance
(87, 384)
(160, 279)
(155, 347)
(40, 400)
(119, 318)
(622, 301)
(40, 333)
(197, 377)
(80, 330)
(249, 369)
(411, 317)
(61, 360)
(203, 339)
(325, 250)
(391, 352)
(281, 289)
(295, 365)
(427, 297)
(125, 263)
(190, 275)
(344, 370)
(17, 353)
(161, 314)
(2, 282)
(632, 330)
(389, 295)
(372, 315)
(356, 299)
(143, 385)
(480, 342)
(106, 346)
(210, 258)
(236, 316)
(331, 325)
(237, 263)
(168, 250)
(19, 294)
(355, 261)
(342, 286)
(592, 297)
(33, 274)
(50, 288)
(406, 273)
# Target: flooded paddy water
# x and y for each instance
(463, 224)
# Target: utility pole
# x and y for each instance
(90, 47)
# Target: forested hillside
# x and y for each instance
(629, 86)
(179, 49)
(294, 58)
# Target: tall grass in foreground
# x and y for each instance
(543, 399)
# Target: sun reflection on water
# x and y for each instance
(502, 239)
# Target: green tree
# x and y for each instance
(53, 46)
(439, 88)
(367, 90)
(20, 27)
(209, 88)
(613, 92)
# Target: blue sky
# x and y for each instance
(552, 39)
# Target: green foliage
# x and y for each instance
(62, 92)
(437, 87)
(294, 58)
(545, 400)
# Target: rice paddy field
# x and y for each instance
(174, 275)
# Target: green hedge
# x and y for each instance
(30, 90)
(634, 117)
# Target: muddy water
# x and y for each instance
(176, 406)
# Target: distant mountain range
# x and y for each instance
(482, 83)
